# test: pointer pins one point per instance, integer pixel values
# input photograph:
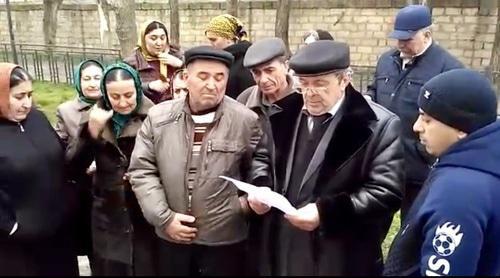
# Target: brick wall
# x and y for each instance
(458, 24)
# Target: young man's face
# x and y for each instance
(435, 135)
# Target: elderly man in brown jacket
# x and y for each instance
(182, 149)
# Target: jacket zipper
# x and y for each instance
(434, 164)
(20, 127)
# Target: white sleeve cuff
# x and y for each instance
(14, 229)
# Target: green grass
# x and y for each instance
(48, 96)
(396, 223)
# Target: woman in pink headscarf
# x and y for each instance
(34, 236)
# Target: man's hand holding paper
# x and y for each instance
(263, 196)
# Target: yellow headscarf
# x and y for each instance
(141, 45)
(227, 26)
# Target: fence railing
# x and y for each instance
(55, 63)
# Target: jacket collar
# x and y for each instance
(142, 64)
(218, 112)
(356, 107)
(82, 105)
(352, 132)
(256, 98)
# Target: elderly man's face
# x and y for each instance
(322, 92)
(271, 77)
(206, 82)
(414, 45)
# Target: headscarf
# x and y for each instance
(141, 45)
(119, 120)
(227, 26)
(77, 77)
(5, 73)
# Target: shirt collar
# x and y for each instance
(419, 54)
(332, 112)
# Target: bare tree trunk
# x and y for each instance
(50, 8)
(104, 23)
(126, 30)
(174, 21)
(282, 16)
(11, 33)
(232, 7)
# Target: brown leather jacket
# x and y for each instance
(234, 147)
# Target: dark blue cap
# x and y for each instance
(409, 20)
(461, 98)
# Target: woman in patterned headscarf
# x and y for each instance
(155, 60)
(123, 242)
(227, 32)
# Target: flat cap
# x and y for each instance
(263, 51)
(321, 57)
(207, 52)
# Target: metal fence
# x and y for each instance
(55, 63)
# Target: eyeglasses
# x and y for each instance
(312, 90)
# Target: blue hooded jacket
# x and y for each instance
(453, 228)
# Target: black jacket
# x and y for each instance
(119, 231)
(398, 91)
(33, 194)
(240, 77)
(355, 177)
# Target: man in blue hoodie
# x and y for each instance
(453, 226)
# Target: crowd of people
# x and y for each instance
(129, 176)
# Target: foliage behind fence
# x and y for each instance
(55, 63)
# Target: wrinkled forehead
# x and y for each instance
(208, 66)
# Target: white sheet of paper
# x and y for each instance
(264, 195)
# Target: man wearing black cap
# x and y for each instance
(398, 78)
(181, 150)
(343, 173)
(452, 227)
(277, 102)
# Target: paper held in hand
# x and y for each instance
(264, 195)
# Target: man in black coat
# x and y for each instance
(277, 101)
(400, 74)
(343, 173)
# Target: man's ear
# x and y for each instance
(344, 81)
